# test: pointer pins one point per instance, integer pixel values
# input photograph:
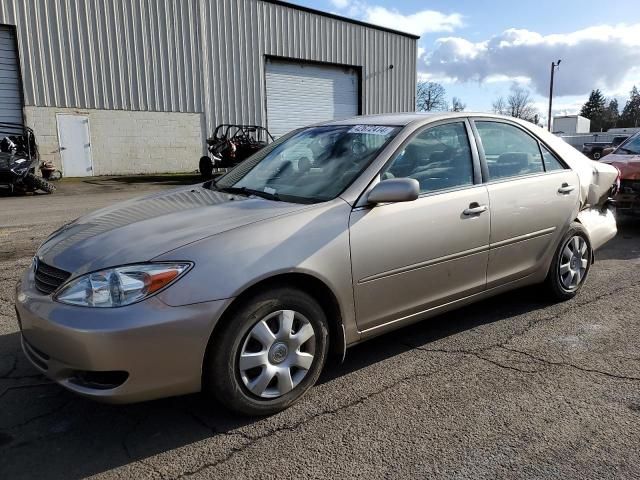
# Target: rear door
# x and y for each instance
(533, 198)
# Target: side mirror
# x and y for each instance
(607, 151)
(394, 190)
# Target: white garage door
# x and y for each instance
(300, 94)
(10, 96)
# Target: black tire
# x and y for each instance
(205, 166)
(222, 375)
(38, 183)
(597, 154)
(554, 283)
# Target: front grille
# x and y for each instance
(630, 186)
(49, 278)
(5, 161)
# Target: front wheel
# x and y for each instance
(571, 264)
(268, 353)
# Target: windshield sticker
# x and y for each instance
(371, 129)
(270, 191)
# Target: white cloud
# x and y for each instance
(595, 57)
(418, 23)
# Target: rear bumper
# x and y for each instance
(600, 225)
(140, 352)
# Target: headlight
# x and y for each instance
(116, 287)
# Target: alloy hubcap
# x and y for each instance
(277, 354)
(574, 261)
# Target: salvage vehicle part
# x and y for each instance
(18, 160)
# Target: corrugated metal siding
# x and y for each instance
(109, 54)
(193, 55)
(235, 91)
(10, 96)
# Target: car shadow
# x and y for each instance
(38, 417)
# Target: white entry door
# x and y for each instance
(75, 145)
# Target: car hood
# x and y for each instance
(141, 229)
(629, 165)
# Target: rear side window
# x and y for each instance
(439, 158)
(509, 151)
(551, 163)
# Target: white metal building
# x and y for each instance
(135, 86)
(571, 124)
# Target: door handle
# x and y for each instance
(475, 209)
(566, 188)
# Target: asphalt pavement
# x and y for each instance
(512, 387)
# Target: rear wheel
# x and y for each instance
(38, 183)
(570, 264)
(268, 353)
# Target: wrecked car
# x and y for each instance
(626, 158)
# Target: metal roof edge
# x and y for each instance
(282, 3)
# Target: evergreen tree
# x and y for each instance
(594, 110)
(631, 113)
(611, 115)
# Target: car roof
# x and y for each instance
(403, 119)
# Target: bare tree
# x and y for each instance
(499, 106)
(518, 104)
(457, 105)
(430, 96)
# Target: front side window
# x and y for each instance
(311, 165)
(509, 152)
(438, 158)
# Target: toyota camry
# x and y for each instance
(246, 285)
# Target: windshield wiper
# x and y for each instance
(248, 192)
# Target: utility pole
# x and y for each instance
(554, 65)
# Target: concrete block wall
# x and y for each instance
(126, 142)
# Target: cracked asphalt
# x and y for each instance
(511, 387)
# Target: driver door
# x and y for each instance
(410, 257)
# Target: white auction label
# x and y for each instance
(371, 129)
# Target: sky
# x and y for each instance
(479, 49)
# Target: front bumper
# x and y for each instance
(139, 352)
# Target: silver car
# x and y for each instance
(333, 234)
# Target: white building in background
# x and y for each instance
(136, 87)
(571, 125)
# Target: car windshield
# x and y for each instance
(630, 147)
(310, 165)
